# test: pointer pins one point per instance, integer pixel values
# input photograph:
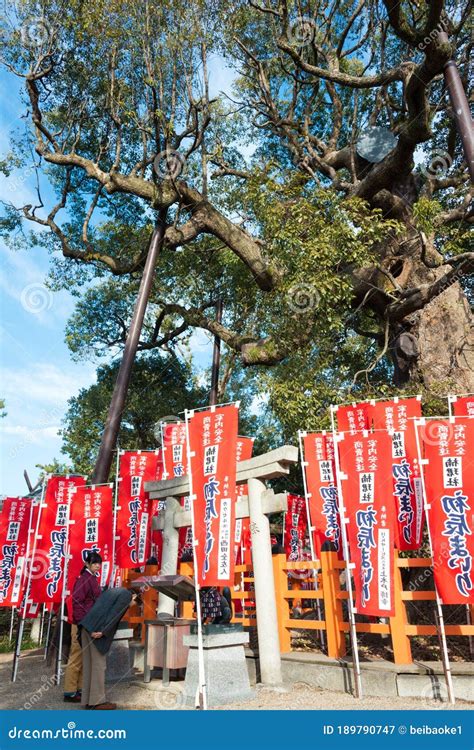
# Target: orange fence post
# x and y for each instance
(398, 631)
(149, 599)
(332, 605)
(186, 569)
(283, 609)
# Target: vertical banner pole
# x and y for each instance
(12, 620)
(345, 550)
(202, 689)
(451, 400)
(114, 522)
(216, 358)
(439, 609)
(40, 637)
(59, 657)
(310, 530)
(29, 563)
(48, 633)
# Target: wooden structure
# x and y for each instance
(331, 594)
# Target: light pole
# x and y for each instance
(216, 358)
(114, 417)
(461, 111)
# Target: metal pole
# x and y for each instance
(12, 620)
(48, 633)
(114, 417)
(301, 435)
(42, 617)
(451, 400)
(64, 592)
(461, 110)
(28, 564)
(114, 524)
(216, 358)
(439, 609)
(201, 692)
(345, 548)
(27, 480)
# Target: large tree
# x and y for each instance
(316, 250)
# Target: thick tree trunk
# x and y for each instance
(439, 337)
(445, 336)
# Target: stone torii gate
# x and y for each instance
(260, 503)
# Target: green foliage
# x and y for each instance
(26, 645)
(316, 235)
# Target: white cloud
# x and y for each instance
(33, 435)
(23, 279)
(43, 383)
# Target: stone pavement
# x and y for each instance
(35, 689)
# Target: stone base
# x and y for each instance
(423, 680)
(227, 678)
(118, 661)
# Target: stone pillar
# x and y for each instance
(35, 627)
(267, 624)
(169, 563)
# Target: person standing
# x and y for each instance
(85, 593)
(98, 629)
(73, 671)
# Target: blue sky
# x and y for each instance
(37, 374)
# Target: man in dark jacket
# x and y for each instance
(98, 628)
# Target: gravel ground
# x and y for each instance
(35, 689)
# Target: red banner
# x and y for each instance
(157, 507)
(47, 569)
(134, 510)
(213, 460)
(320, 472)
(91, 529)
(367, 488)
(244, 450)
(14, 526)
(173, 438)
(242, 537)
(398, 417)
(185, 534)
(463, 406)
(353, 418)
(448, 447)
(296, 526)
